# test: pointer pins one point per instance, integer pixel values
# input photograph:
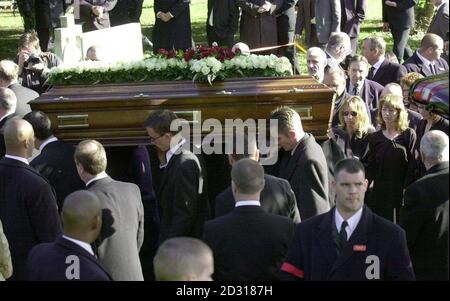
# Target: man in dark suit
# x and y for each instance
(398, 17)
(258, 27)
(328, 19)
(306, 20)
(427, 59)
(27, 201)
(424, 214)
(122, 230)
(353, 13)
(222, 22)
(286, 28)
(9, 72)
(304, 166)
(382, 71)
(55, 160)
(126, 11)
(277, 196)
(350, 242)
(338, 48)
(8, 103)
(172, 28)
(248, 243)
(71, 256)
(184, 259)
(359, 85)
(94, 14)
(182, 192)
(439, 23)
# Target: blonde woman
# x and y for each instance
(391, 158)
(5, 256)
(354, 129)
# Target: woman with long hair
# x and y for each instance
(391, 159)
(354, 129)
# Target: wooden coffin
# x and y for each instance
(114, 114)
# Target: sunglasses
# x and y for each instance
(353, 113)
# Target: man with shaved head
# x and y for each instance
(122, 232)
(71, 256)
(248, 243)
(8, 102)
(427, 59)
(27, 201)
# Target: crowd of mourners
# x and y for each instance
(378, 186)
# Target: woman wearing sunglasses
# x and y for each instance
(354, 129)
(391, 158)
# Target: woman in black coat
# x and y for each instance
(391, 158)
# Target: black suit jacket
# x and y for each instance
(90, 21)
(248, 243)
(28, 211)
(24, 95)
(388, 72)
(225, 17)
(122, 232)
(47, 262)
(424, 217)
(312, 254)
(277, 197)
(415, 64)
(183, 197)
(56, 164)
(401, 16)
(307, 173)
(352, 17)
(370, 93)
(2, 128)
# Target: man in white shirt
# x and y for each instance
(71, 256)
(427, 59)
(27, 201)
(349, 242)
(182, 192)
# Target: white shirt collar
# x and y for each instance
(378, 64)
(23, 160)
(172, 151)
(247, 203)
(353, 221)
(82, 244)
(7, 114)
(424, 60)
(101, 175)
(48, 141)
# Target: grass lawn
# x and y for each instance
(11, 26)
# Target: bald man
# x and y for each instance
(184, 259)
(71, 256)
(427, 59)
(27, 201)
(8, 102)
(395, 89)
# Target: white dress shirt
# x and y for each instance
(80, 243)
(46, 142)
(101, 175)
(23, 160)
(352, 221)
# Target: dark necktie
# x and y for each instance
(432, 69)
(371, 73)
(342, 237)
(355, 90)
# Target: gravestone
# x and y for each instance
(121, 43)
